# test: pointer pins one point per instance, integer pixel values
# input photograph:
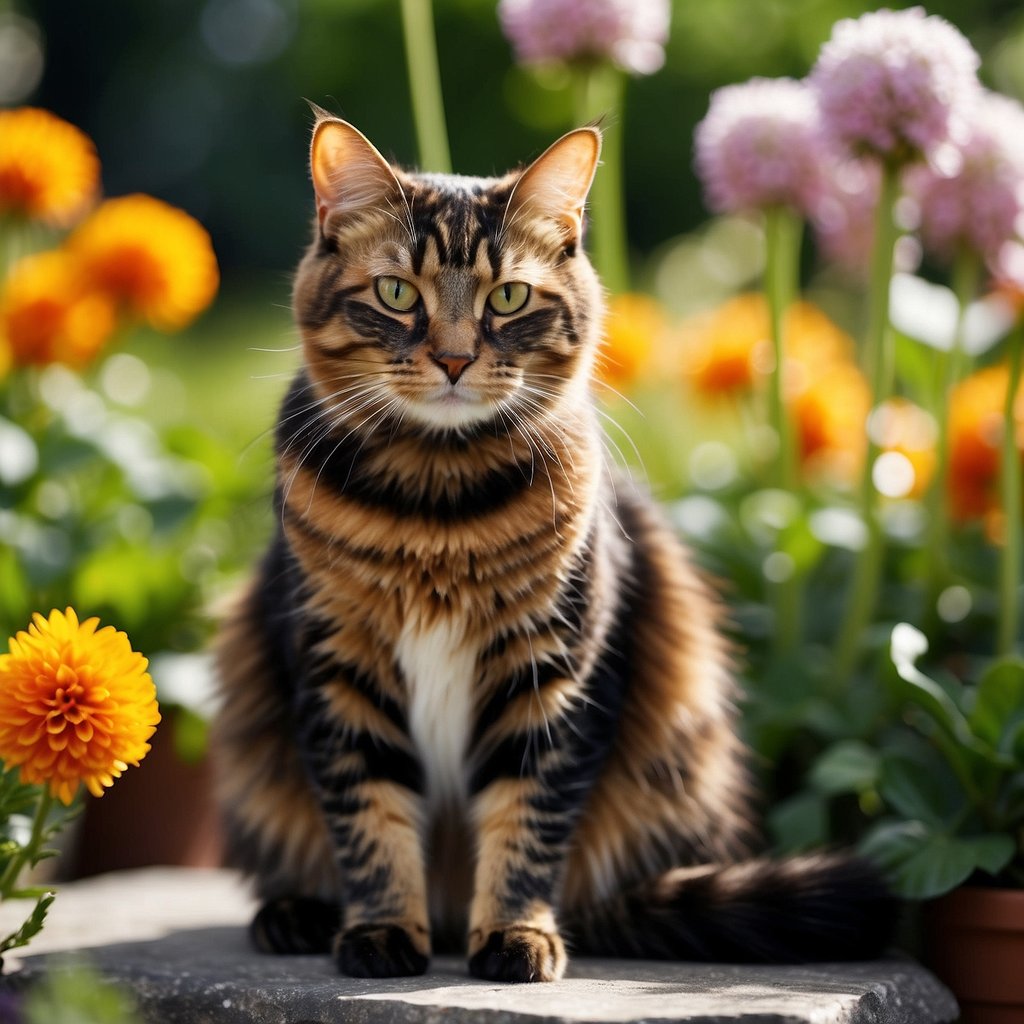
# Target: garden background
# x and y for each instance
(146, 493)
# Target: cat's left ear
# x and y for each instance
(556, 184)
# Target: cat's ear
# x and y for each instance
(348, 172)
(556, 184)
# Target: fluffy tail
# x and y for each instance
(826, 907)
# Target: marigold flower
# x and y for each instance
(980, 207)
(896, 84)
(760, 145)
(49, 314)
(155, 260)
(632, 33)
(49, 170)
(635, 328)
(975, 434)
(76, 704)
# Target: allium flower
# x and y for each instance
(156, 261)
(48, 168)
(49, 314)
(76, 704)
(633, 329)
(844, 219)
(980, 207)
(760, 145)
(632, 33)
(975, 434)
(896, 84)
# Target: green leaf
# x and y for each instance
(998, 713)
(922, 863)
(32, 926)
(799, 822)
(922, 789)
(849, 766)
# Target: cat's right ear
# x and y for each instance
(348, 172)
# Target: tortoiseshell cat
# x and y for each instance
(476, 691)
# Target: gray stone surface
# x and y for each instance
(176, 938)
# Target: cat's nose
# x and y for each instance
(453, 364)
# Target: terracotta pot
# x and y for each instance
(975, 943)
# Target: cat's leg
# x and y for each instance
(369, 783)
(529, 790)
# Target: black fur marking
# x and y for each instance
(295, 925)
(379, 951)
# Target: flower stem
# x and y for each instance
(878, 359)
(600, 92)
(966, 273)
(30, 851)
(425, 85)
(782, 263)
(1010, 487)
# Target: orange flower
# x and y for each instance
(76, 704)
(829, 413)
(905, 431)
(634, 329)
(48, 314)
(48, 168)
(153, 259)
(975, 434)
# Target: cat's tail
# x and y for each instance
(821, 907)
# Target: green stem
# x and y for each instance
(425, 85)
(782, 263)
(1010, 486)
(966, 274)
(29, 852)
(878, 360)
(600, 93)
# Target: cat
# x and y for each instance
(477, 693)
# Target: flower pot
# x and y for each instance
(975, 943)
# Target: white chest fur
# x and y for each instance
(439, 669)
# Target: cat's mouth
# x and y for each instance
(451, 406)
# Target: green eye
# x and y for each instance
(397, 294)
(509, 298)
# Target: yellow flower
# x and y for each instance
(153, 259)
(76, 704)
(48, 168)
(635, 327)
(48, 314)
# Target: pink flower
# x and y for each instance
(632, 33)
(760, 145)
(896, 84)
(844, 218)
(981, 206)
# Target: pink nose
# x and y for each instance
(453, 365)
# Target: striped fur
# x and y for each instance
(476, 691)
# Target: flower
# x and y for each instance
(634, 328)
(906, 435)
(632, 33)
(896, 84)
(154, 260)
(48, 168)
(975, 434)
(760, 145)
(980, 207)
(76, 704)
(49, 314)
(844, 218)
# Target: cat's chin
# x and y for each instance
(452, 410)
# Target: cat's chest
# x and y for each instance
(439, 668)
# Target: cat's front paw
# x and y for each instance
(378, 951)
(520, 953)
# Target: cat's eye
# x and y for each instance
(397, 294)
(509, 298)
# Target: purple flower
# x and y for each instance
(896, 84)
(760, 145)
(844, 218)
(981, 206)
(632, 33)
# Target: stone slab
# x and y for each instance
(176, 938)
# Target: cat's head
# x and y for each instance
(443, 301)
